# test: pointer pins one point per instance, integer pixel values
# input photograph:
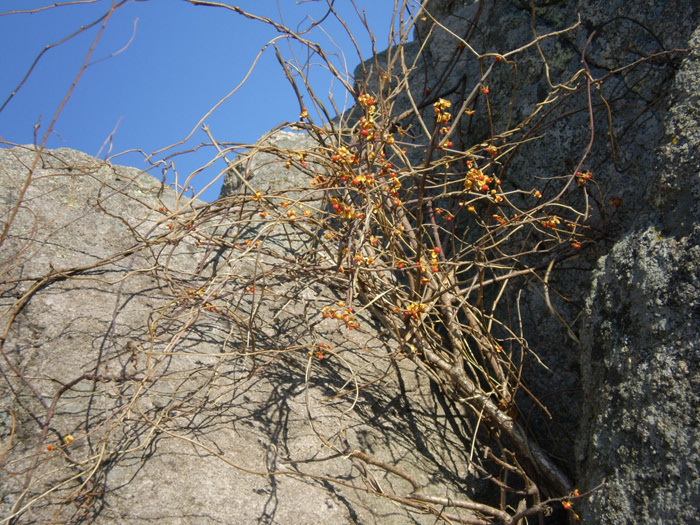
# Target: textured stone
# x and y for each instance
(641, 345)
(640, 360)
(264, 169)
(176, 419)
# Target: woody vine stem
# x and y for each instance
(402, 221)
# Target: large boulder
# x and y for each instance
(160, 365)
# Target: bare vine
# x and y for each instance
(400, 222)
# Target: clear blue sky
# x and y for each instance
(182, 60)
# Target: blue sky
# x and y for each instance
(181, 60)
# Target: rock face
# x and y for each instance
(641, 345)
(640, 359)
(156, 367)
(266, 168)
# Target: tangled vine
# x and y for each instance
(401, 227)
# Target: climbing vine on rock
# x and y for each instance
(403, 222)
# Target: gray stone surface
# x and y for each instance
(264, 169)
(179, 413)
(641, 345)
(640, 361)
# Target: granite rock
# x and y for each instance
(151, 373)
